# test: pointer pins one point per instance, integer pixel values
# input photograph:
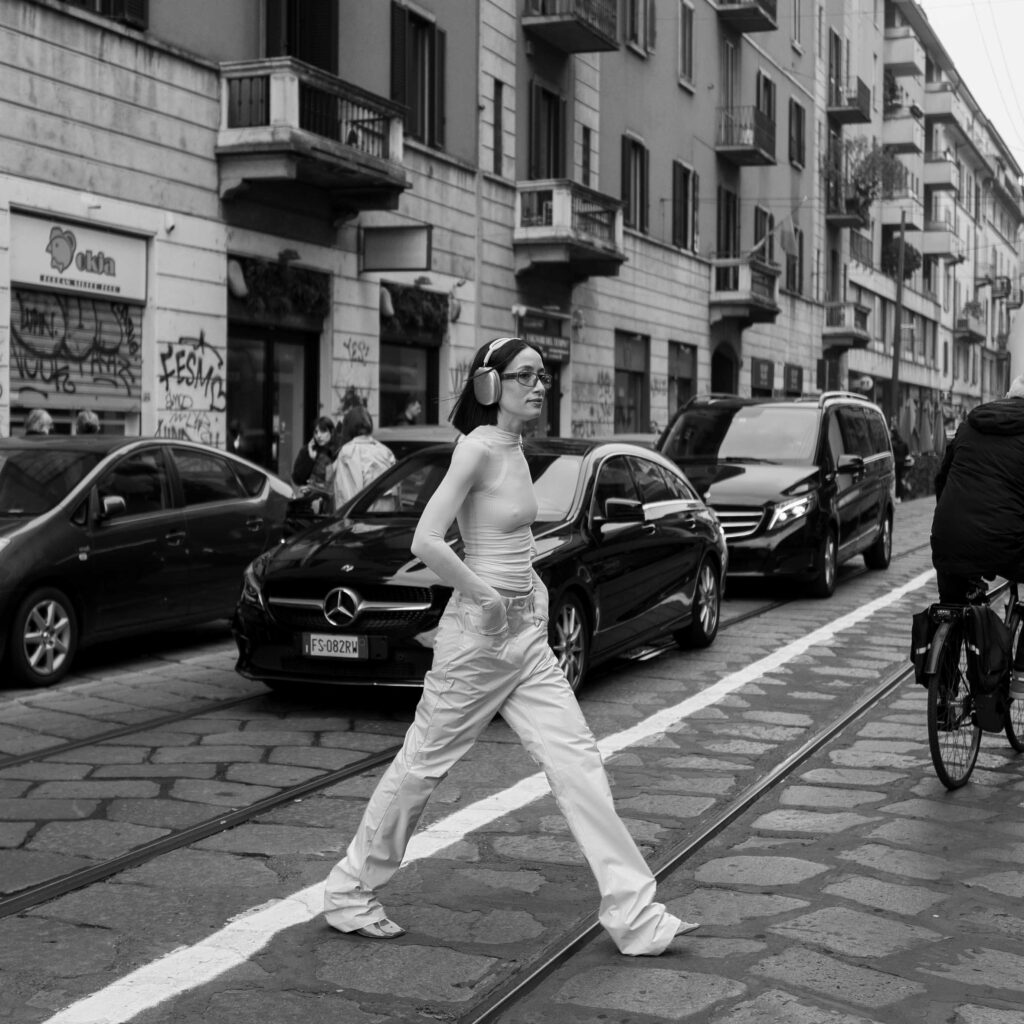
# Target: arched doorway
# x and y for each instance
(725, 371)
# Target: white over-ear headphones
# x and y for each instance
(487, 380)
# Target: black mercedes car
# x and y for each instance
(629, 553)
(104, 536)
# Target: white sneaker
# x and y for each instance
(1017, 684)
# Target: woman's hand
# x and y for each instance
(493, 618)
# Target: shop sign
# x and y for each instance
(544, 330)
(64, 256)
(551, 346)
(762, 374)
(395, 248)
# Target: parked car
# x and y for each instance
(800, 485)
(101, 537)
(627, 549)
(405, 440)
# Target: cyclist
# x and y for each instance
(978, 526)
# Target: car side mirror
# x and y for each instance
(621, 510)
(112, 506)
(851, 464)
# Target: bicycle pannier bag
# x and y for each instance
(922, 629)
(988, 645)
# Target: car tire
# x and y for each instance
(569, 636)
(707, 609)
(879, 554)
(44, 638)
(824, 583)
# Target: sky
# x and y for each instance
(983, 37)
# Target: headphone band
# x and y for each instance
(497, 343)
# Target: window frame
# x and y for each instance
(685, 67)
(635, 174)
(797, 134)
(423, 95)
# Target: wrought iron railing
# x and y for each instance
(600, 15)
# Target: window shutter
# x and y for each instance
(535, 147)
(440, 96)
(652, 26)
(399, 55)
(275, 28)
(678, 205)
(695, 211)
(643, 199)
(628, 213)
(563, 113)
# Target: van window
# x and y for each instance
(853, 425)
(761, 433)
(877, 431)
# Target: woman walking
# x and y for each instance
(491, 655)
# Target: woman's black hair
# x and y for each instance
(325, 424)
(355, 422)
(467, 414)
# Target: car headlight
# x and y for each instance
(4, 541)
(252, 580)
(787, 512)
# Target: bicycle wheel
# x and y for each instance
(953, 738)
(1014, 726)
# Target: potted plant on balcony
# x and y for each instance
(891, 258)
(872, 171)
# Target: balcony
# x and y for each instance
(289, 130)
(1002, 341)
(749, 15)
(944, 106)
(1000, 287)
(846, 327)
(901, 206)
(566, 231)
(903, 134)
(903, 53)
(862, 249)
(941, 173)
(850, 103)
(746, 136)
(843, 207)
(574, 26)
(939, 239)
(969, 327)
(1015, 299)
(745, 289)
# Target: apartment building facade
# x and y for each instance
(220, 221)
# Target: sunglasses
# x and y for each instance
(528, 378)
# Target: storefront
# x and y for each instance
(78, 294)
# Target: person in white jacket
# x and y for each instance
(361, 459)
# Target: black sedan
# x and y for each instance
(101, 537)
(628, 551)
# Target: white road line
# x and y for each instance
(245, 935)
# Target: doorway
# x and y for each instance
(271, 394)
(724, 372)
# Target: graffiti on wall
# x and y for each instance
(354, 375)
(193, 376)
(596, 406)
(73, 345)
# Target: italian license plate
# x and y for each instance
(327, 645)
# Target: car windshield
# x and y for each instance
(33, 480)
(406, 489)
(752, 433)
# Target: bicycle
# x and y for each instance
(957, 715)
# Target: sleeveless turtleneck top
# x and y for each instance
(495, 518)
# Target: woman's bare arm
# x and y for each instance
(468, 463)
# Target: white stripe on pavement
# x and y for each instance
(245, 935)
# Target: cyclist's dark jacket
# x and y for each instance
(978, 527)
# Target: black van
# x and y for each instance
(799, 484)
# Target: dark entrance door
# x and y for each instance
(271, 397)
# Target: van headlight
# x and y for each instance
(252, 580)
(788, 512)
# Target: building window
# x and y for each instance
(547, 133)
(634, 184)
(727, 245)
(587, 144)
(684, 206)
(129, 12)
(764, 234)
(640, 24)
(686, 41)
(632, 387)
(766, 96)
(797, 134)
(418, 74)
(304, 29)
(798, 17)
(682, 374)
(795, 263)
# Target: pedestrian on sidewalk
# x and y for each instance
(491, 654)
(900, 454)
(362, 457)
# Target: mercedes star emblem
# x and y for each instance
(341, 606)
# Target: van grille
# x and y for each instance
(738, 520)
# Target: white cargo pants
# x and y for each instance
(474, 675)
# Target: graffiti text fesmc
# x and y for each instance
(194, 368)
